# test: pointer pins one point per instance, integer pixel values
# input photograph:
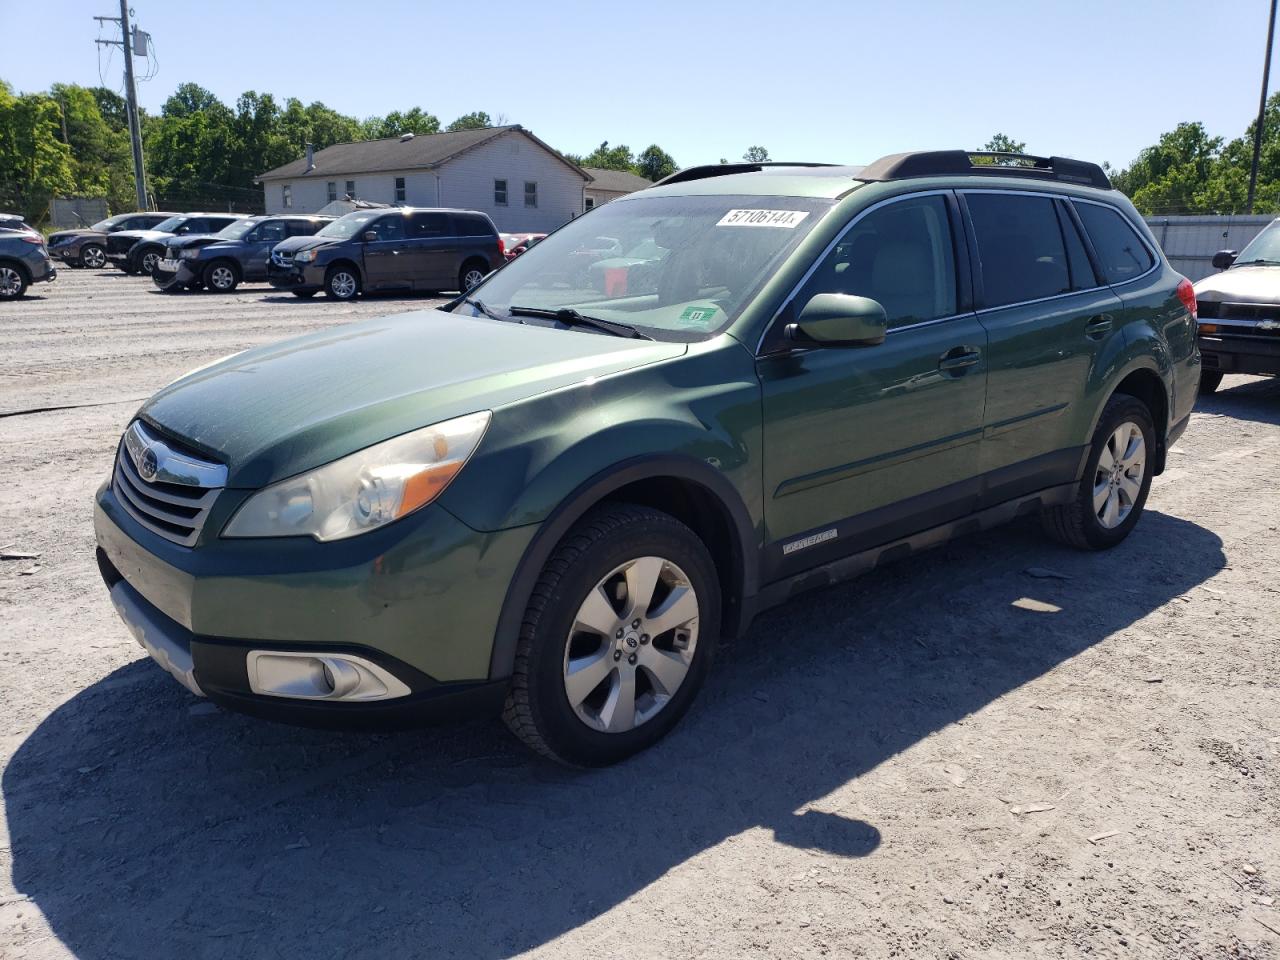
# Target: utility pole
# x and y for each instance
(1262, 110)
(131, 97)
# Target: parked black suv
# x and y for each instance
(236, 254)
(396, 249)
(138, 251)
(1240, 311)
(88, 247)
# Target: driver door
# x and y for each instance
(863, 445)
(385, 256)
(257, 248)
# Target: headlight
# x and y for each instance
(304, 256)
(365, 490)
(189, 253)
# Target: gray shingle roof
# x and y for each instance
(374, 156)
(618, 181)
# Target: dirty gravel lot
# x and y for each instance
(908, 765)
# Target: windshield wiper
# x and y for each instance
(571, 317)
(1258, 262)
(479, 305)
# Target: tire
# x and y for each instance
(146, 261)
(1087, 522)
(653, 547)
(305, 294)
(1210, 380)
(221, 276)
(92, 256)
(341, 283)
(13, 282)
(470, 276)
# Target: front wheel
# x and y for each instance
(93, 256)
(147, 262)
(617, 638)
(1116, 481)
(220, 277)
(341, 283)
(1210, 380)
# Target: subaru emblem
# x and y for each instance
(148, 464)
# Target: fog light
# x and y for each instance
(320, 676)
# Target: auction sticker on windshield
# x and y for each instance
(763, 218)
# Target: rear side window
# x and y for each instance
(214, 224)
(1121, 253)
(303, 228)
(1020, 247)
(469, 226)
(899, 255)
(428, 225)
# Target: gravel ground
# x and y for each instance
(912, 765)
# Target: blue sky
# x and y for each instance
(819, 80)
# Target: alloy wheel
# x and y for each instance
(343, 285)
(471, 279)
(631, 645)
(1117, 482)
(10, 282)
(149, 261)
(222, 278)
(93, 257)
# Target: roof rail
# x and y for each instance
(706, 171)
(931, 163)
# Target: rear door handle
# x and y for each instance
(1098, 327)
(957, 358)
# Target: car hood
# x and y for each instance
(275, 411)
(1260, 284)
(199, 240)
(294, 244)
(74, 234)
(142, 234)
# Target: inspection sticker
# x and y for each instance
(697, 316)
(763, 218)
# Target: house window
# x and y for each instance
(530, 193)
(500, 193)
(400, 189)
(351, 189)
(590, 202)
(286, 193)
(333, 191)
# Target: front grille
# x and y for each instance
(1249, 311)
(174, 503)
(281, 258)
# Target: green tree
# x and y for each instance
(397, 124)
(35, 163)
(470, 121)
(756, 155)
(194, 145)
(1172, 175)
(102, 163)
(654, 163)
(1002, 143)
(606, 157)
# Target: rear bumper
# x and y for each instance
(42, 270)
(1256, 355)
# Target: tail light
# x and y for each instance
(38, 241)
(502, 248)
(1187, 294)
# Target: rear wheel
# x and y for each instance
(13, 282)
(1210, 380)
(220, 277)
(1116, 481)
(341, 283)
(617, 638)
(472, 273)
(92, 256)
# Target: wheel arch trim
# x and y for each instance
(594, 491)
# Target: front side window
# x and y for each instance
(286, 196)
(331, 191)
(1121, 254)
(899, 255)
(1020, 247)
(500, 193)
(236, 230)
(400, 189)
(530, 193)
(676, 268)
(388, 228)
(273, 231)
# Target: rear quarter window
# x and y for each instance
(1121, 252)
(469, 226)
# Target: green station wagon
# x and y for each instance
(555, 495)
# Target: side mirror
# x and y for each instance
(840, 320)
(370, 236)
(1224, 258)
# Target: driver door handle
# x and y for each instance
(958, 358)
(1098, 327)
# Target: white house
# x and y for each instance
(609, 185)
(506, 172)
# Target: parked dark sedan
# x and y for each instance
(389, 249)
(237, 254)
(88, 247)
(138, 251)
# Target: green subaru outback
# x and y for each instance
(555, 495)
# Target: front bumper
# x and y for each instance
(188, 272)
(297, 276)
(1240, 354)
(419, 598)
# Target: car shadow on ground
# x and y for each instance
(145, 824)
(1255, 399)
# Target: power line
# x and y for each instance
(131, 96)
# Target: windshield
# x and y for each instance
(170, 225)
(102, 226)
(349, 225)
(1265, 247)
(676, 268)
(236, 230)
